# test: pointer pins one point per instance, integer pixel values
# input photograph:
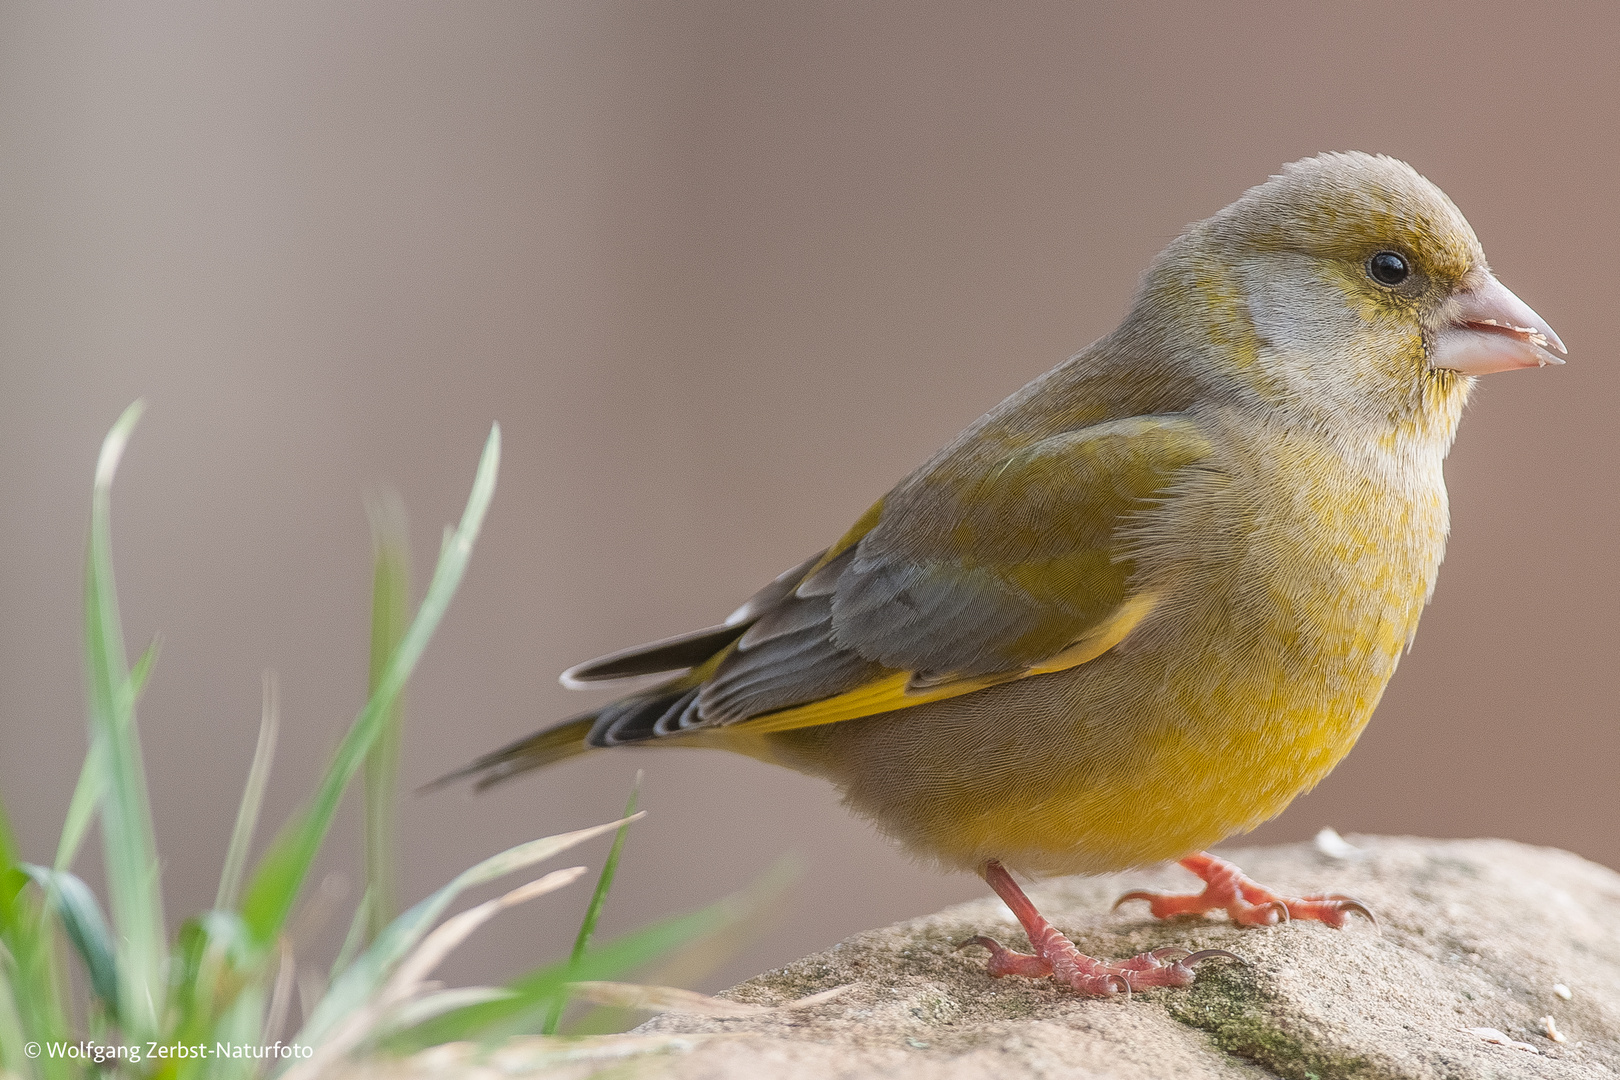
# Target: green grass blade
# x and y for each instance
(13, 1061)
(82, 807)
(33, 989)
(219, 967)
(247, 812)
(92, 781)
(599, 895)
(204, 947)
(12, 876)
(35, 997)
(128, 841)
(357, 982)
(533, 996)
(353, 940)
(422, 1009)
(604, 881)
(86, 928)
(241, 1025)
(142, 671)
(280, 874)
(12, 881)
(390, 608)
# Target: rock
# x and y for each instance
(1474, 938)
(1474, 934)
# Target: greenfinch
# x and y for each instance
(1148, 599)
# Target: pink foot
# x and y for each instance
(1055, 955)
(1245, 902)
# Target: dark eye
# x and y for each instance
(1387, 268)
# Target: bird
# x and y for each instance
(1148, 599)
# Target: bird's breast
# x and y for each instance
(1292, 581)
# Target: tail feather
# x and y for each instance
(666, 709)
(670, 654)
(543, 748)
(645, 716)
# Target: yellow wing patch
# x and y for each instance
(896, 691)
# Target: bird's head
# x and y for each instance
(1350, 289)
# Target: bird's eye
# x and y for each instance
(1387, 268)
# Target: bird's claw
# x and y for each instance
(1004, 961)
(1169, 966)
(1189, 958)
(1342, 905)
(1245, 902)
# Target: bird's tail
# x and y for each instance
(543, 748)
(630, 719)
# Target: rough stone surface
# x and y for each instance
(1474, 934)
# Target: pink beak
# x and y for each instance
(1493, 330)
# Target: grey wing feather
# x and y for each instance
(825, 580)
(784, 668)
(892, 611)
(784, 619)
(685, 650)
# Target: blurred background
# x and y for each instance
(723, 272)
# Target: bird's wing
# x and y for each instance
(690, 649)
(959, 579)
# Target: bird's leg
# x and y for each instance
(1245, 902)
(1056, 955)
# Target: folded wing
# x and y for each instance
(961, 578)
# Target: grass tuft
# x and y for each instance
(230, 975)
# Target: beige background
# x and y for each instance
(723, 272)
